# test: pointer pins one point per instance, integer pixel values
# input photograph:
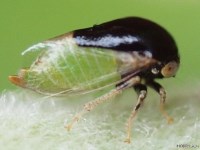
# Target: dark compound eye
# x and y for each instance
(155, 71)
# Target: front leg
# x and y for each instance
(141, 91)
(158, 88)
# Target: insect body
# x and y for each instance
(128, 52)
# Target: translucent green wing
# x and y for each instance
(62, 67)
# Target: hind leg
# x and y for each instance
(91, 105)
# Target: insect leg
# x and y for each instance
(158, 88)
(142, 92)
(92, 104)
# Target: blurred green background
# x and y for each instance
(26, 22)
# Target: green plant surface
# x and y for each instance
(24, 23)
(31, 121)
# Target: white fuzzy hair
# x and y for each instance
(31, 122)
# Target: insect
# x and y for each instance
(124, 53)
